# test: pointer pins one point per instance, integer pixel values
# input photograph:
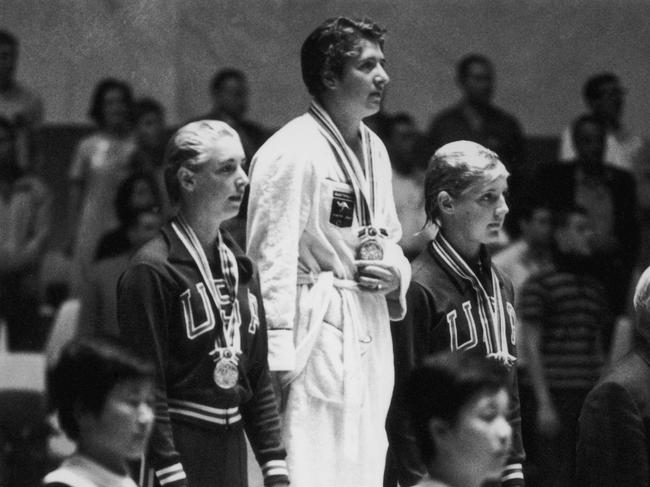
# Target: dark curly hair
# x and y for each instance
(330, 44)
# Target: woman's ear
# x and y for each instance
(186, 178)
(445, 202)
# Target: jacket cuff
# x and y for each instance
(275, 471)
(173, 476)
(512, 475)
(282, 353)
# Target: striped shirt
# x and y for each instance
(571, 311)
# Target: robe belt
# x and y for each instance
(320, 295)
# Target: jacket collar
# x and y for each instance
(178, 252)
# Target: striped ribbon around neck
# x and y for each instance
(230, 336)
(359, 173)
(496, 340)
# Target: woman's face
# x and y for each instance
(115, 108)
(480, 440)
(478, 214)
(142, 195)
(121, 430)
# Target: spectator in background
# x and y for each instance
(614, 426)
(151, 137)
(103, 394)
(229, 91)
(458, 405)
(608, 195)
(18, 104)
(24, 226)
(100, 163)
(401, 138)
(136, 193)
(564, 314)
(605, 97)
(230, 98)
(98, 313)
(476, 118)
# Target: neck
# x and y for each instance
(346, 121)
(449, 473)
(96, 453)
(205, 226)
(468, 250)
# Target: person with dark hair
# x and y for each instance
(98, 313)
(402, 139)
(458, 405)
(476, 118)
(151, 136)
(21, 106)
(323, 229)
(605, 99)
(614, 426)
(565, 316)
(24, 226)
(103, 394)
(191, 301)
(137, 193)
(458, 300)
(609, 196)
(100, 163)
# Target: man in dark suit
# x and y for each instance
(614, 427)
(609, 196)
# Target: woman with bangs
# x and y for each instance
(457, 301)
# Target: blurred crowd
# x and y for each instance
(574, 242)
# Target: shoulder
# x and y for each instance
(450, 113)
(504, 116)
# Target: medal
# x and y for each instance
(370, 247)
(226, 373)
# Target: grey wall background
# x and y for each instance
(543, 51)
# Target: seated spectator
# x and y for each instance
(608, 195)
(401, 137)
(604, 97)
(151, 137)
(98, 313)
(18, 104)
(24, 227)
(613, 430)
(477, 119)
(103, 394)
(99, 165)
(136, 193)
(564, 314)
(459, 405)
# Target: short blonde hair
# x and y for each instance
(189, 146)
(455, 168)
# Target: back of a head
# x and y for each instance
(189, 147)
(442, 385)
(86, 372)
(591, 88)
(326, 49)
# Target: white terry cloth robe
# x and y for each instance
(342, 372)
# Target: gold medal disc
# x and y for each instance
(226, 374)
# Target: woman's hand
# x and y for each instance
(376, 276)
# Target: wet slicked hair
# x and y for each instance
(330, 45)
(455, 168)
(188, 147)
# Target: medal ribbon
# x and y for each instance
(230, 333)
(359, 173)
(497, 341)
